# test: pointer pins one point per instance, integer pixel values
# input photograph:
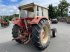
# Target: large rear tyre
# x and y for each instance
(41, 34)
(15, 33)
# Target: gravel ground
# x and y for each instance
(61, 43)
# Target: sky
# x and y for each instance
(9, 7)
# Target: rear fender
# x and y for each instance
(18, 22)
(37, 19)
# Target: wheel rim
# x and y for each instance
(44, 35)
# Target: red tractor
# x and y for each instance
(4, 23)
(33, 25)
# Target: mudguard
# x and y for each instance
(19, 22)
(37, 19)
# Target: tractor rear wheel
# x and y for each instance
(15, 33)
(41, 34)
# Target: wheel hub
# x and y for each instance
(44, 35)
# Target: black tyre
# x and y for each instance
(53, 32)
(41, 34)
(15, 33)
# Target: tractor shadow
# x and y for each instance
(12, 46)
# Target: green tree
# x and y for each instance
(52, 11)
(55, 11)
(16, 15)
(62, 7)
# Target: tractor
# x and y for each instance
(33, 25)
(4, 23)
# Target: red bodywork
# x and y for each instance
(30, 21)
(21, 22)
(3, 22)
